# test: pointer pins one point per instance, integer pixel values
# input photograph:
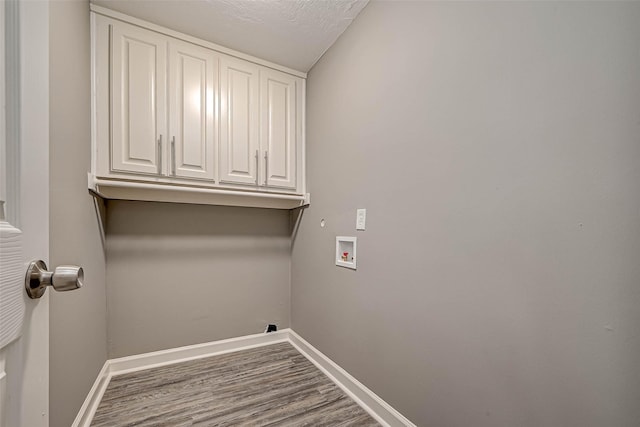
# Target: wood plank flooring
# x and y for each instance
(272, 385)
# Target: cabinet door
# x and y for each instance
(238, 121)
(192, 90)
(138, 64)
(278, 122)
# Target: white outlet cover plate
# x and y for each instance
(361, 219)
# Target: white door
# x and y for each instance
(278, 128)
(192, 90)
(138, 73)
(239, 143)
(24, 172)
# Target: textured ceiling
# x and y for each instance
(293, 33)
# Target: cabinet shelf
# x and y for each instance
(130, 190)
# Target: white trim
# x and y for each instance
(3, 383)
(12, 124)
(384, 413)
(155, 359)
(368, 400)
(303, 135)
(94, 90)
(3, 131)
(176, 34)
(91, 402)
(160, 192)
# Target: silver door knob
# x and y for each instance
(64, 278)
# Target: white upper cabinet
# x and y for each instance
(142, 141)
(138, 69)
(239, 126)
(279, 126)
(179, 119)
(192, 93)
(260, 125)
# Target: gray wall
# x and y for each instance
(186, 274)
(496, 147)
(78, 342)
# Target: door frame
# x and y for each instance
(27, 358)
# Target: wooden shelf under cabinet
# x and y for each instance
(157, 192)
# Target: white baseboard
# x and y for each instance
(140, 362)
(369, 401)
(384, 413)
(91, 402)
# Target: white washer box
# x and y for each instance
(346, 251)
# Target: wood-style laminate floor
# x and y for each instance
(267, 386)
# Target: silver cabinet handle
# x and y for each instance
(64, 278)
(257, 168)
(173, 155)
(266, 168)
(160, 155)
